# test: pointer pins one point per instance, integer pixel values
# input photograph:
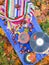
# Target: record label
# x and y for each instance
(24, 37)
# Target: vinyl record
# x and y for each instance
(39, 42)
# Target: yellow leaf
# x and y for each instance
(5, 46)
(38, 3)
(43, 6)
(13, 57)
(2, 33)
(39, 20)
(9, 49)
(17, 62)
(9, 26)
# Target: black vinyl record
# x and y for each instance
(39, 42)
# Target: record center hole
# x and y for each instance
(39, 41)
